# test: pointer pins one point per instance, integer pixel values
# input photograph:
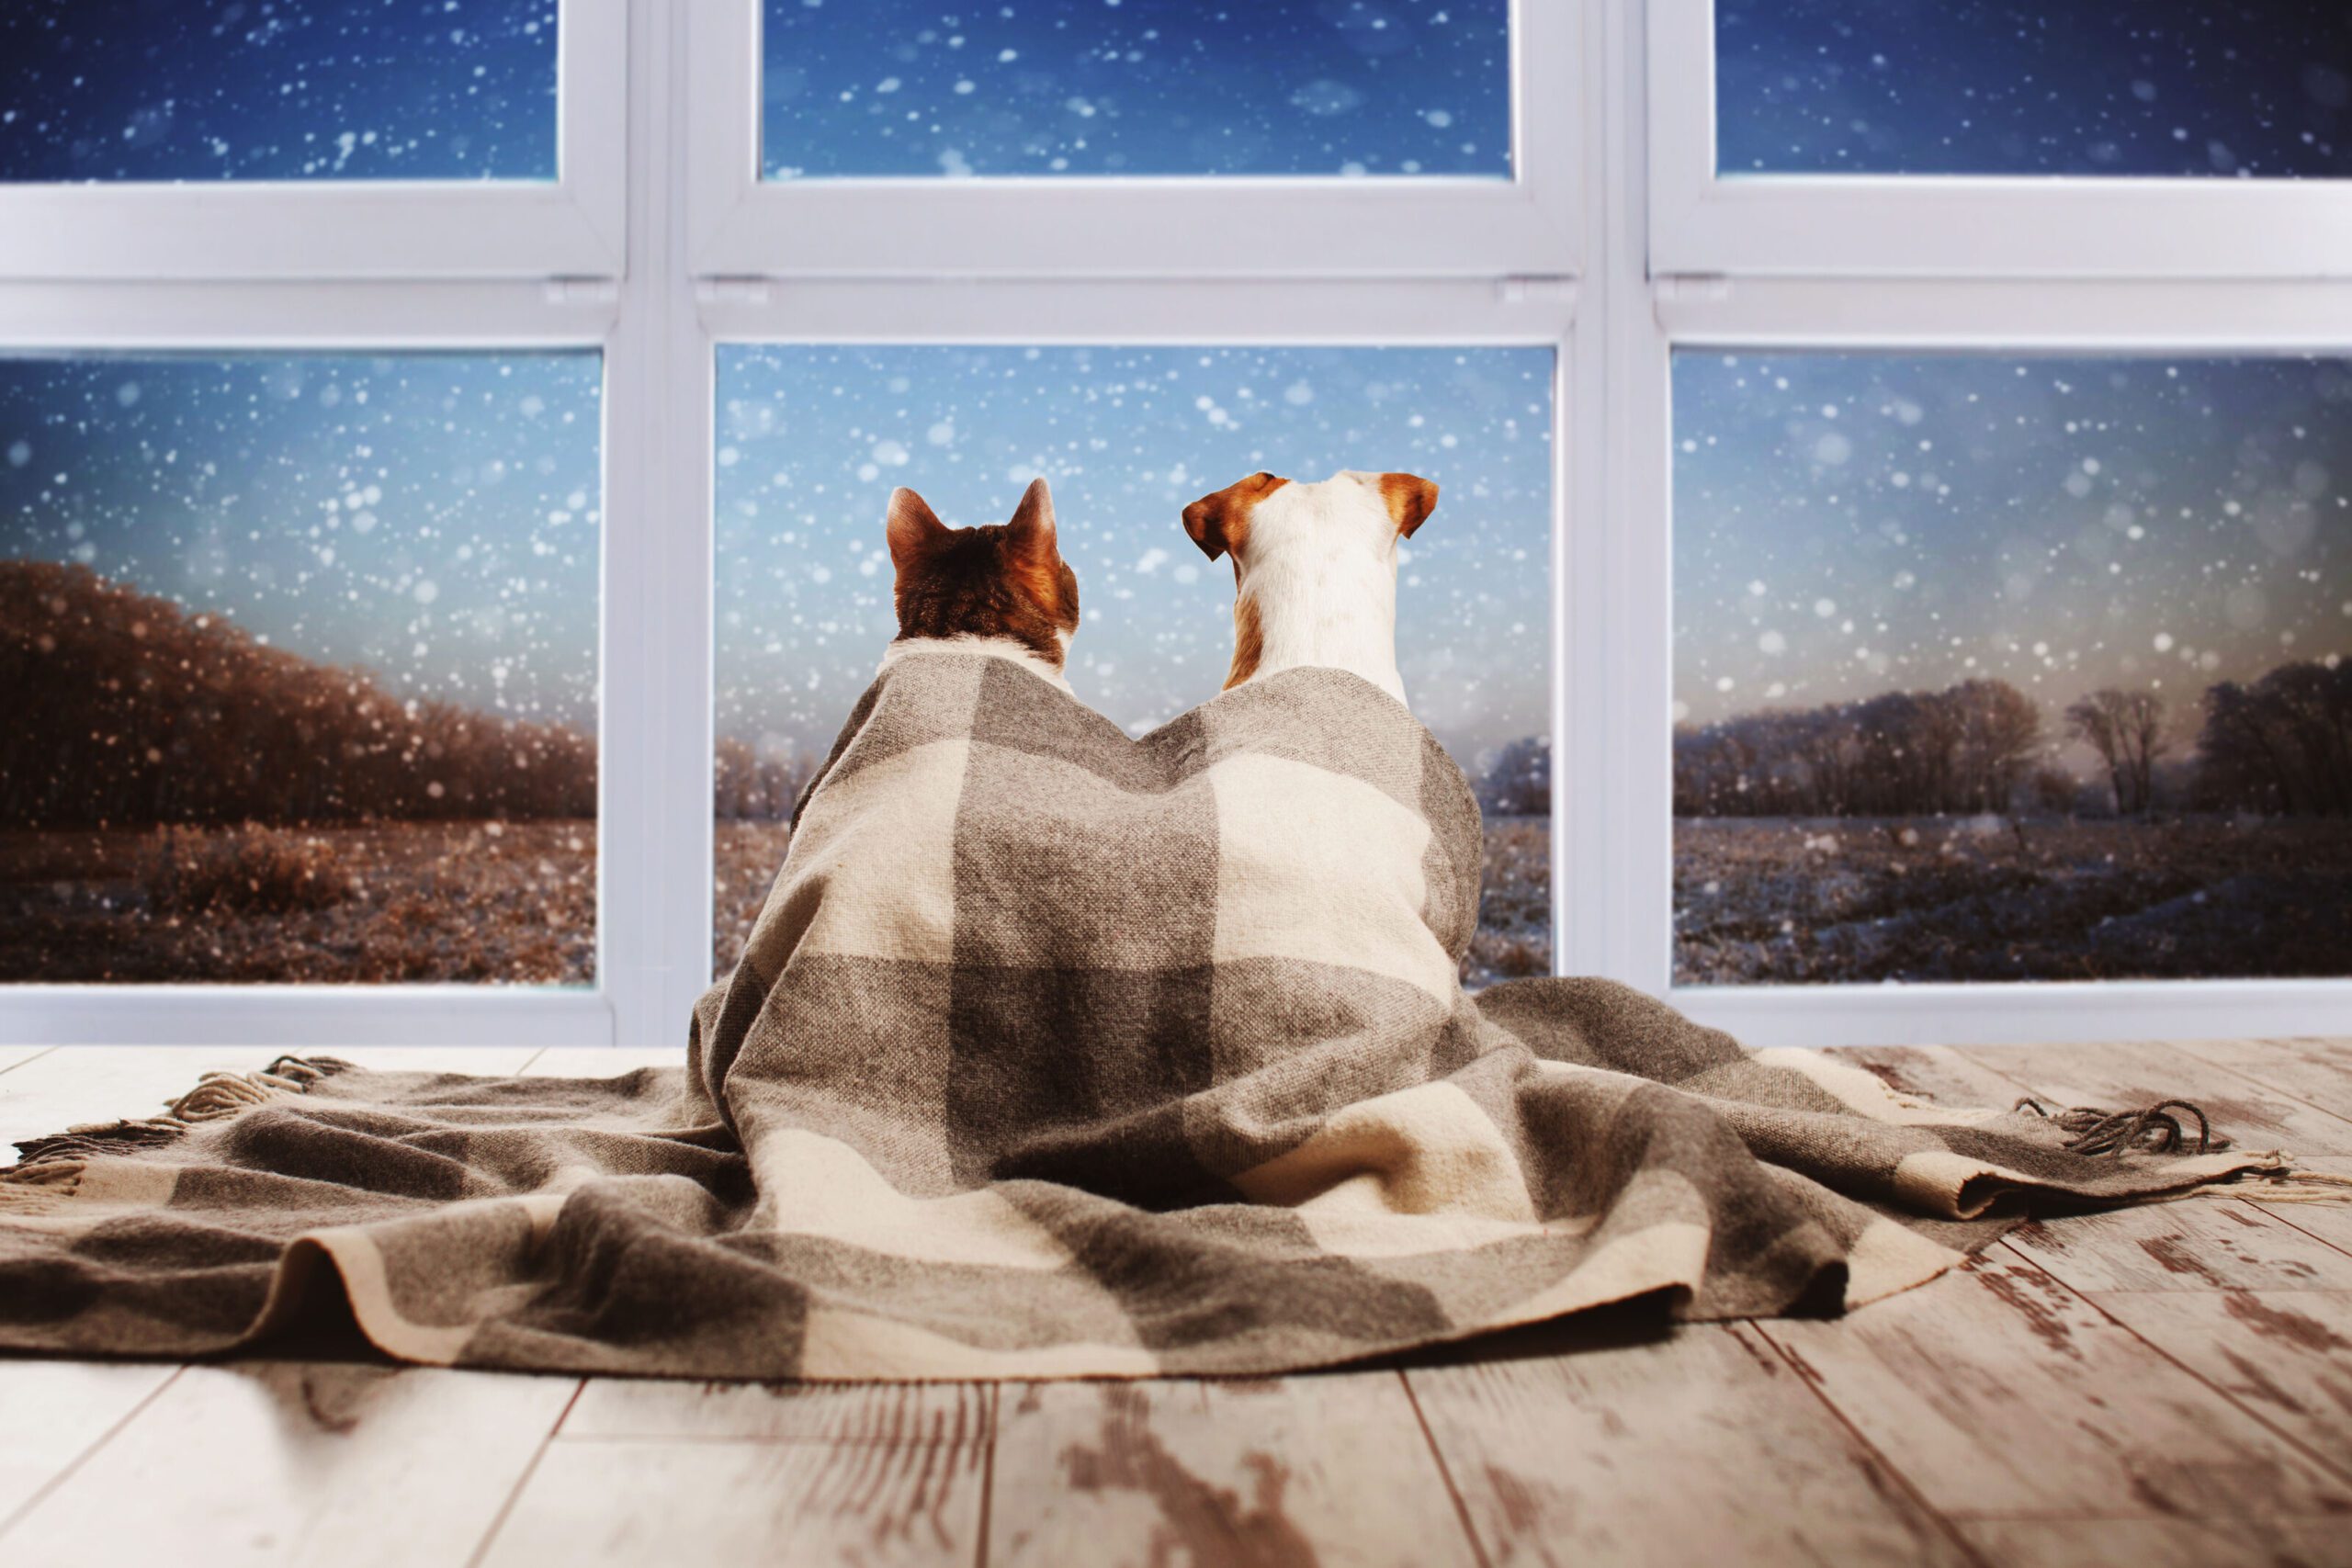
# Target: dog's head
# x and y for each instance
(1000, 582)
(1264, 516)
(1342, 530)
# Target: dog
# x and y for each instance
(1002, 589)
(1314, 569)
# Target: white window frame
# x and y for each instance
(1996, 267)
(714, 259)
(1862, 225)
(571, 226)
(1400, 226)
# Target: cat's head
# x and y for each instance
(1007, 581)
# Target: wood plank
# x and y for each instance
(2198, 1244)
(781, 1412)
(2330, 1222)
(1332, 1469)
(1703, 1446)
(2317, 1071)
(602, 1061)
(2157, 1544)
(1999, 1393)
(2130, 1074)
(301, 1462)
(1936, 1073)
(57, 1412)
(75, 1084)
(2284, 1356)
(17, 1055)
(716, 1504)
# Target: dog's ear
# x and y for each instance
(1031, 532)
(1220, 522)
(913, 527)
(1410, 500)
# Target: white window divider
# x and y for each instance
(571, 226)
(1702, 221)
(1146, 228)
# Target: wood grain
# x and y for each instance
(601, 1061)
(2198, 1244)
(1703, 1447)
(1937, 1073)
(75, 1084)
(2141, 1073)
(2315, 1071)
(2158, 1543)
(1999, 1393)
(783, 1412)
(300, 1462)
(58, 1411)
(715, 1504)
(17, 1055)
(2284, 1356)
(1330, 1470)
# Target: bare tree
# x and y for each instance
(2126, 728)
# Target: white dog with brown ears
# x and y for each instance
(1314, 569)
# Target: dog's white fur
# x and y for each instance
(1319, 561)
(1008, 648)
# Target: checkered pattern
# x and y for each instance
(1054, 1053)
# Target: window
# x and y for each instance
(1146, 88)
(301, 656)
(1991, 668)
(1991, 87)
(812, 438)
(301, 90)
(2004, 746)
(1149, 139)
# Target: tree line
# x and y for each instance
(2280, 745)
(128, 709)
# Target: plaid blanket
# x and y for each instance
(1054, 1053)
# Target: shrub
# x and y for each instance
(252, 870)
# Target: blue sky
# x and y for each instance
(813, 440)
(913, 88)
(2172, 87)
(431, 517)
(278, 89)
(1848, 523)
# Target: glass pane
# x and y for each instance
(2164, 87)
(301, 657)
(877, 88)
(812, 439)
(277, 90)
(2012, 670)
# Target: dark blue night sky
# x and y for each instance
(2166, 88)
(884, 87)
(278, 89)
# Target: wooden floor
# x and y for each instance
(2168, 1385)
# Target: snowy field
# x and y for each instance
(511, 902)
(1791, 900)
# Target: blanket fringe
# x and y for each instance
(47, 1162)
(2156, 1130)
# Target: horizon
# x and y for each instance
(1851, 523)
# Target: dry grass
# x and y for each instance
(1776, 900)
(1514, 934)
(510, 902)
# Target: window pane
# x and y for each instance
(811, 440)
(1136, 87)
(276, 90)
(300, 657)
(2012, 670)
(2161, 87)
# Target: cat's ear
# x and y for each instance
(1031, 531)
(914, 528)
